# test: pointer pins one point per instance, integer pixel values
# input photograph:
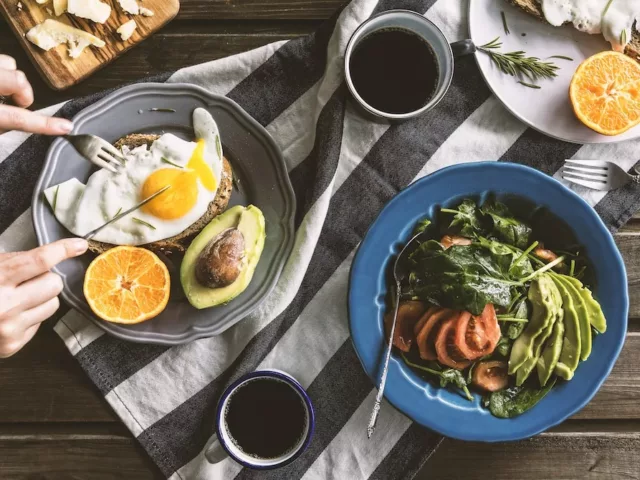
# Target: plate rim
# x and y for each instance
(492, 437)
(606, 140)
(287, 221)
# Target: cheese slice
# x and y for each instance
(145, 12)
(59, 7)
(51, 33)
(129, 6)
(93, 10)
(126, 30)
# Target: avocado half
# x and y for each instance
(250, 221)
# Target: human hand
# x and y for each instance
(29, 291)
(14, 85)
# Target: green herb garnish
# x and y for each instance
(164, 110)
(421, 226)
(55, 198)
(218, 146)
(517, 63)
(623, 37)
(524, 254)
(530, 85)
(117, 213)
(573, 268)
(606, 8)
(562, 57)
(142, 222)
(506, 318)
(504, 23)
(166, 160)
(548, 266)
(447, 376)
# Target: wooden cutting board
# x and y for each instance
(61, 71)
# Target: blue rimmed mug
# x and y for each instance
(221, 444)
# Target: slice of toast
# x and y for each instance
(534, 7)
(180, 242)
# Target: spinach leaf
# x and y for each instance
(520, 311)
(504, 346)
(421, 226)
(514, 401)
(510, 259)
(461, 277)
(446, 376)
(505, 227)
(467, 220)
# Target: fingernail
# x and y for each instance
(62, 125)
(78, 245)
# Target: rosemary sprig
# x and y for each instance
(517, 63)
(562, 57)
(504, 23)
(55, 198)
(166, 160)
(530, 85)
(142, 222)
(117, 213)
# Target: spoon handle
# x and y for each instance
(385, 368)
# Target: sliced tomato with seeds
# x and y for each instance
(408, 314)
(418, 326)
(448, 353)
(477, 336)
(427, 335)
(490, 376)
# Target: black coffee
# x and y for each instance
(266, 418)
(394, 70)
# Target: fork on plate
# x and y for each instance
(97, 150)
(596, 174)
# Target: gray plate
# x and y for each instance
(263, 182)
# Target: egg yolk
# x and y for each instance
(178, 200)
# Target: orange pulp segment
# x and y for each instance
(605, 93)
(127, 285)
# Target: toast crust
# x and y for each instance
(534, 7)
(180, 242)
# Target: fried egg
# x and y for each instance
(192, 170)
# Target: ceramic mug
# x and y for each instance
(431, 34)
(221, 446)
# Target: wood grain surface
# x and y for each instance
(55, 425)
(61, 71)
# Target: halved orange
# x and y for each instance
(605, 93)
(127, 285)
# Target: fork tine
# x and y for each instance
(584, 183)
(590, 171)
(104, 156)
(593, 178)
(99, 162)
(589, 163)
(114, 152)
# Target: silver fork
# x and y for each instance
(98, 151)
(596, 174)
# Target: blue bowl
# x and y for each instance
(445, 410)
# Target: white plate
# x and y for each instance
(548, 110)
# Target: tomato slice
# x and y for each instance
(447, 352)
(408, 314)
(423, 320)
(490, 376)
(427, 334)
(477, 336)
(450, 240)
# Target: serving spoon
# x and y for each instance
(400, 272)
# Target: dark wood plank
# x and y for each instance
(179, 45)
(258, 9)
(557, 455)
(64, 453)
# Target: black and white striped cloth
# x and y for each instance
(343, 169)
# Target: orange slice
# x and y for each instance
(127, 285)
(605, 93)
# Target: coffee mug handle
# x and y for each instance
(215, 453)
(463, 47)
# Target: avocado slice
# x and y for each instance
(542, 295)
(551, 353)
(250, 222)
(571, 344)
(594, 311)
(582, 315)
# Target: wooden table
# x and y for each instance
(55, 425)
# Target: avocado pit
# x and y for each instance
(221, 261)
